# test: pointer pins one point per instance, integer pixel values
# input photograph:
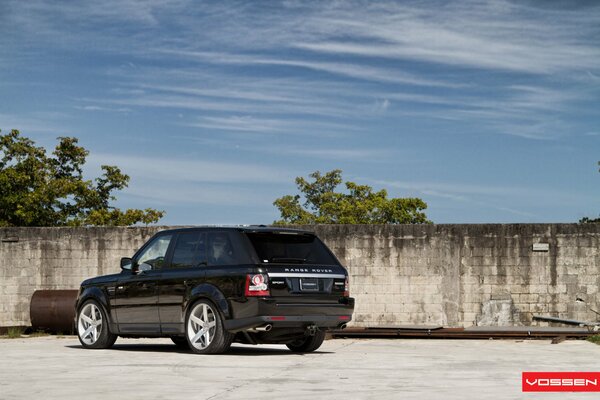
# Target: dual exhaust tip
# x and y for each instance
(268, 327)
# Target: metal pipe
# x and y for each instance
(53, 310)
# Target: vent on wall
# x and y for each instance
(541, 247)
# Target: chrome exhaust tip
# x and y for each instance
(343, 326)
(264, 328)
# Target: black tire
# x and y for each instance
(181, 342)
(218, 339)
(96, 334)
(307, 344)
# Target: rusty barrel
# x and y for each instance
(53, 310)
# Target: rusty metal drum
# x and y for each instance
(53, 310)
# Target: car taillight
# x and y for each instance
(257, 285)
(347, 288)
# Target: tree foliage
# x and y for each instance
(319, 203)
(41, 190)
(587, 220)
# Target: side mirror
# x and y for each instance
(126, 263)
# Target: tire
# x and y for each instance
(92, 326)
(204, 329)
(307, 344)
(181, 342)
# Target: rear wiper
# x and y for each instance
(288, 260)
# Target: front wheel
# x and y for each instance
(92, 327)
(204, 329)
(307, 344)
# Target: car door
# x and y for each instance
(136, 292)
(185, 268)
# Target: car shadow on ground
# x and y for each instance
(235, 350)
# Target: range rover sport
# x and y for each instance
(208, 287)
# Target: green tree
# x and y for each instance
(41, 190)
(319, 203)
(587, 220)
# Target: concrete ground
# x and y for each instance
(58, 368)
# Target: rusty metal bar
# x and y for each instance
(462, 333)
(565, 321)
(53, 310)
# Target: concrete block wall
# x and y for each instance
(451, 275)
(57, 258)
(465, 275)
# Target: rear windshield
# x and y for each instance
(290, 248)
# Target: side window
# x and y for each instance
(154, 253)
(226, 248)
(190, 250)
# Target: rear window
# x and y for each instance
(290, 248)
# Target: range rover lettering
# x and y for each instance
(208, 287)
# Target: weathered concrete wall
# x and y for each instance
(463, 275)
(453, 275)
(57, 258)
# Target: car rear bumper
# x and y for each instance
(263, 311)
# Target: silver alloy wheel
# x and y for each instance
(89, 324)
(201, 326)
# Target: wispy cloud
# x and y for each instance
(242, 123)
(247, 123)
(357, 59)
(359, 71)
(488, 35)
(99, 108)
(162, 182)
(468, 192)
(531, 112)
(329, 152)
(35, 122)
(191, 170)
(495, 35)
(326, 150)
(194, 194)
(232, 94)
(480, 197)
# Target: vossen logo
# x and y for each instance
(561, 382)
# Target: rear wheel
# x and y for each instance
(307, 344)
(204, 329)
(92, 327)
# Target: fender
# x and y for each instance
(211, 292)
(96, 293)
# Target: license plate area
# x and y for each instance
(309, 284)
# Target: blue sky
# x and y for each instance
(489, 111)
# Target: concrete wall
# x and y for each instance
(57, 258)
(463, 275)
(452, 275)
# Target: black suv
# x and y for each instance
(207, 287)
